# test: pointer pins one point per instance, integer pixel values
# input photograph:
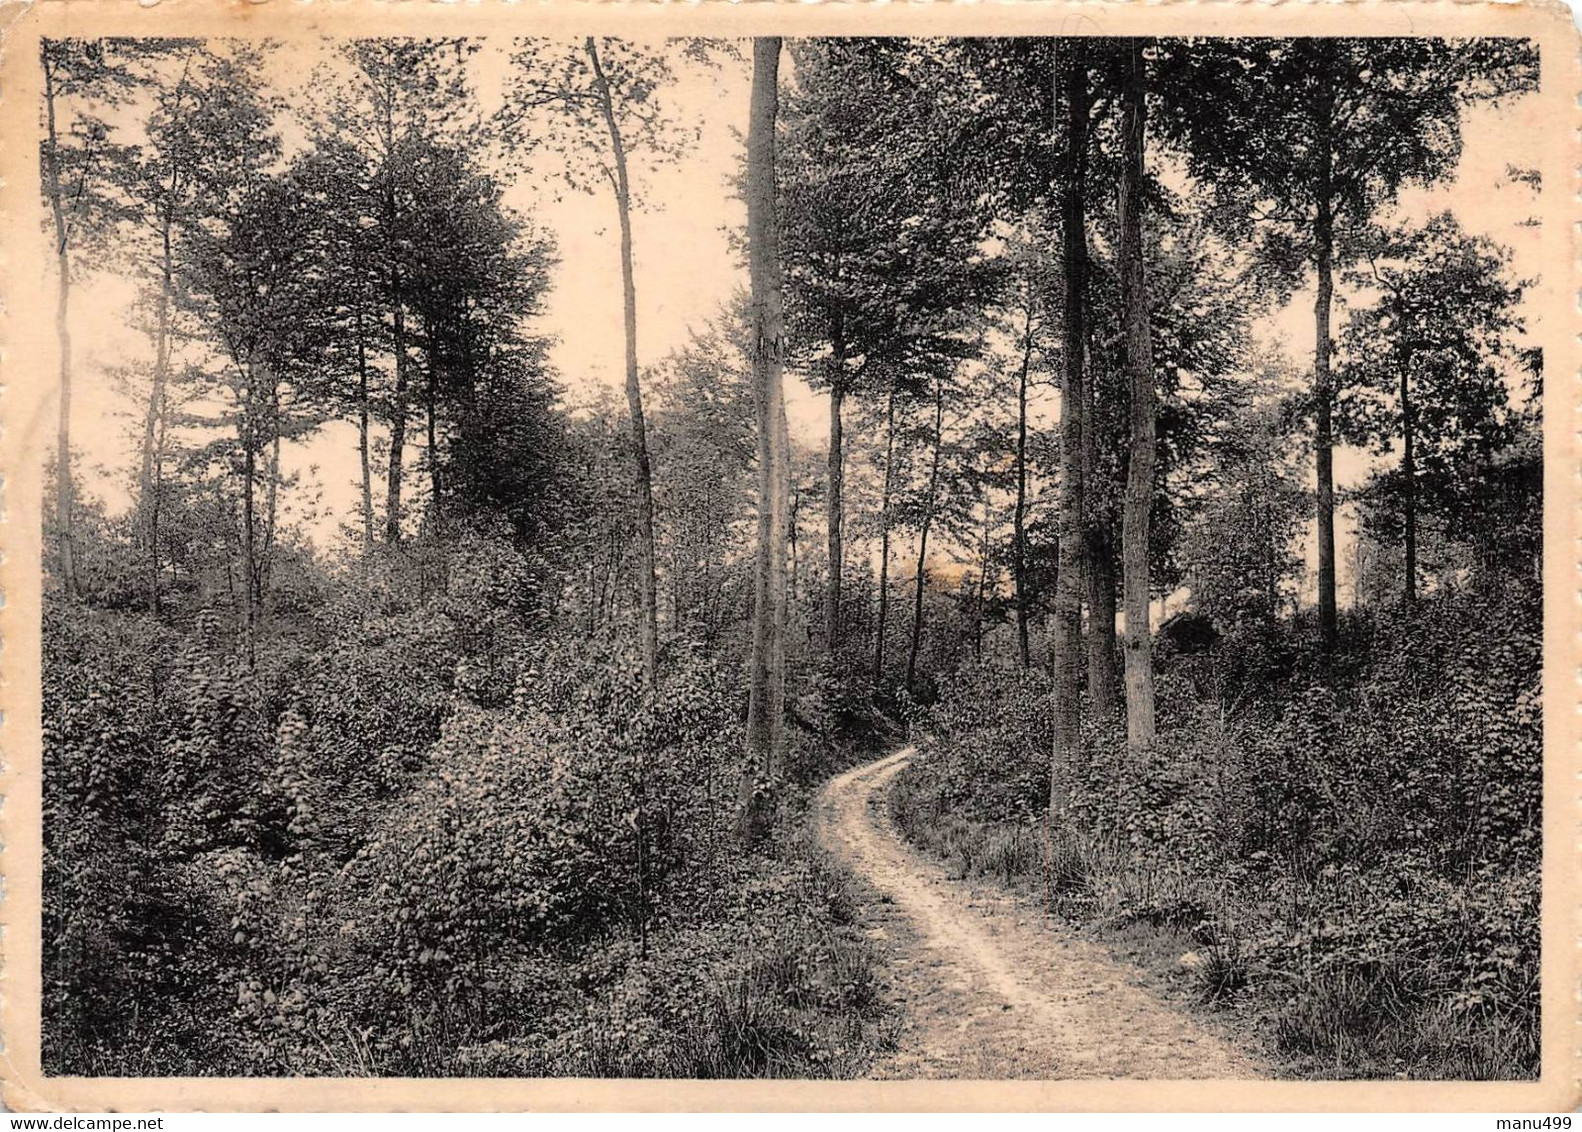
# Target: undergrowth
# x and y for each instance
(1349, 868)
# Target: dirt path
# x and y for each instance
(993, 989)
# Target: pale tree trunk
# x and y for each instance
(1323, 386)
(648, 614)
(884, 541)
(1140, 371)
(766, 693)
(1019, 517)
(1069, 660)
(922, 541)
(64, 502)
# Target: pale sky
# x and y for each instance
(685, 271)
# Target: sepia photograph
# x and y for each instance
(887, 557)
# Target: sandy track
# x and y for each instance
(992, 988)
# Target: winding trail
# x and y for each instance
(992, 989)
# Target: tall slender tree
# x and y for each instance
(766, 694)
(1069, 655)
(254, 272)
(398, 99)
(209, 134)
(83, 79)
(649, 625)
(886, 526)
(605, 103)
(1139, 363)
(1029, 319)
(925, 527)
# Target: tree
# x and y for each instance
(925, 525)
(604, 95)
(1312, 138)
(83, 79)
(477, 272)
(1139, 361)
(976, 523)
(886, 526)
(881, 241)
(1425, 366)
(1238, 546)
(403, 97)
(1069, 667)
(1030, 319)
(352, 249)
(256, 271)
(704, 442)
(766, 696)
(209, 134)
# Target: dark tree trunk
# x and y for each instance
(1069, 660)
(1098, 559)
(363, 462)
(151, 473)
(787, 516)
(982, 597)
(1323, 386)
(884, 542)
(1098, 583)
(266, 561)
(1019, 516)
(431, 413)
(648, 614)
(922, 541)
(766, 698)
(398, 400)
(1409, 478)
(249, 525)
(151, 470)
(398, 415)
(835, 505)
(795, 503)
(1140, 370)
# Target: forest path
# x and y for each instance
(991, 988)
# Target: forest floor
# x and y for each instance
(991, 987)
